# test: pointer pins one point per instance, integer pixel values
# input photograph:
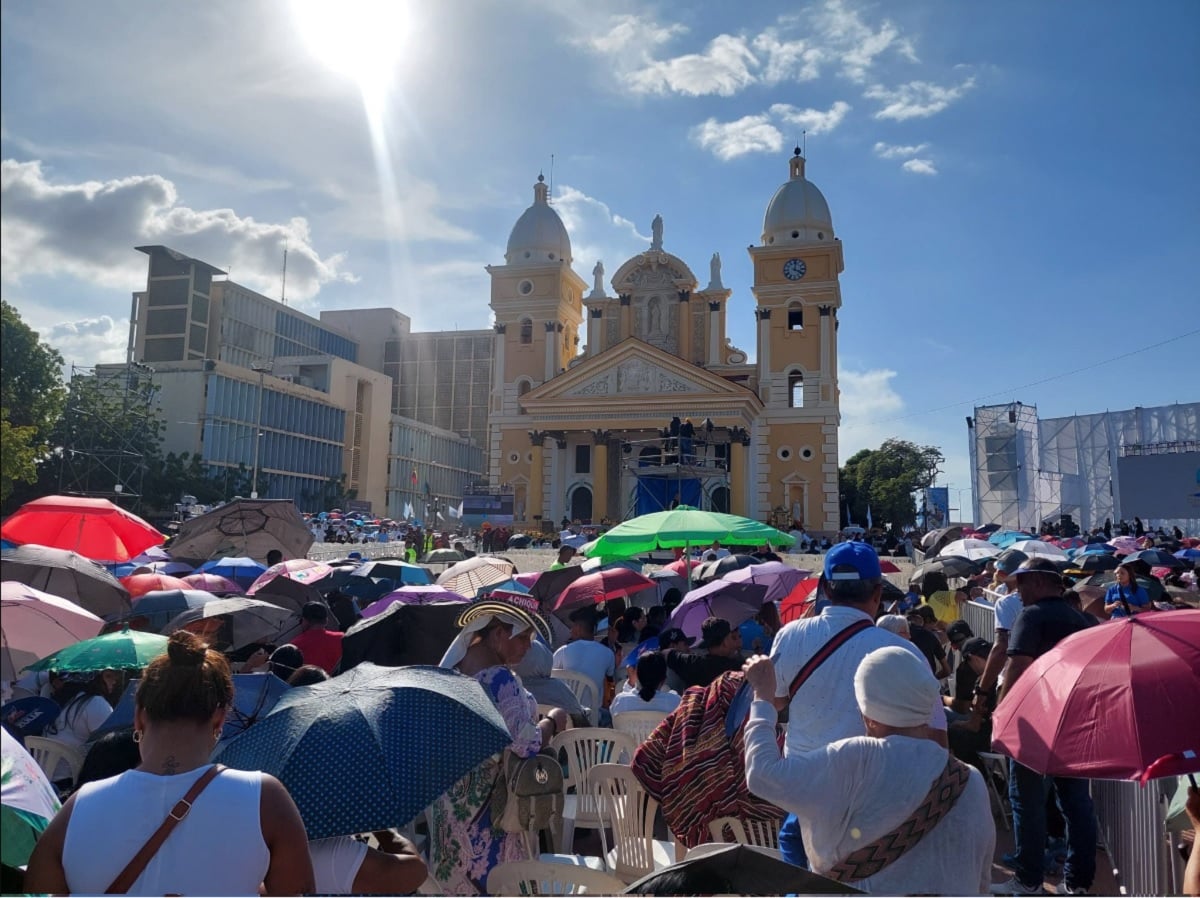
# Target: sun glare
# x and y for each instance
(359, 39)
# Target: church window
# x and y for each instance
(583, 459)
(795, 318)
(796, 390)
(526, 331)
(795, 234)
(525, 287)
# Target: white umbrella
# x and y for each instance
(1036, 548)
(37, 624)
(974, 549)
(467, 577)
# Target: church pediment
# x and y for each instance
(632, 369)
(651, 271)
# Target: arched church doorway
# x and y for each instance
(720, 499)
(581, 504)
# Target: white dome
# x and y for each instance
(539, 236)
(797, 212)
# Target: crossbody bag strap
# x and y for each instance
(127, 877)
(824, 652)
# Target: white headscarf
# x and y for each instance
(481, 614)
(895, 687)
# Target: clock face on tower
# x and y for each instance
(794, 269)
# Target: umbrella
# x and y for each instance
(29, 716)
(154, 553)
(140, 584)
(779, 578)
(974, 549)
(242, 571)
(68, 575)
(442, 556)
(519, 541)
(735, 602)
(35, 624)
(719, 567)
(681, 566)
(1005, 538)
(254, 694)
(124, 650)
(302, 570)
(395, 570)
(95, 528)
(27, 802)
(950, 565)
(1069, 542)
(1108, 701)
(403, 634)
(397, 739)
(739, 870)
(681, 528)
(289, 594)
(933, 542)
(159, 606)
(1096, 561)
(412, 595)
(987, 528)
(1155, 558)
(468, 577)
(1188, 554)
(170, 568)
(214, 583)
(548, 586)
(1124, 545)
(800, 602)
(245, 527)
(592, 589)
(888, 567)
(234, 623)
(1039, 548)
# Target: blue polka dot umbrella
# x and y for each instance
(371, 748)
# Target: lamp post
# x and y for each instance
(262, 370)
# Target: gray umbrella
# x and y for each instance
(239, 622)
(67, 575)
(951, 566)
(244, 527)
(937, 540)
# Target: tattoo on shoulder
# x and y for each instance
(170, 766)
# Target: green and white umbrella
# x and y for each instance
(27, 802)
(681, 528)
(126, 650)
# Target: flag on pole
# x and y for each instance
(414, 478)
(869, 524)
(408, 511)
(849, 520)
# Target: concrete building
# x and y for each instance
(582, 436)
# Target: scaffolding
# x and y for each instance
(111, 423)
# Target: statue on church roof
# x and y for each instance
(714, 273)
(598, 275)
(656, 234)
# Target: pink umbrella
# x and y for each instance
(140, 584)
(680, 565)
(214, 583)
(1125, 545)
(412, 595)
(528, 579)
(611, 583)
(301, 570)
(154, 553)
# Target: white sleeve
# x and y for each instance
(336, 863)
(798, 783)
(95, 712)
(1007, 610)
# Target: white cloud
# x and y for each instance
(916, 99)
(867, 397)
(597, 232)
(855, 43)
(724, 68)
(920, 167)
(631, 33)
(897, 151)
(787, 60)
(762, 133)
(812, 120)
(88, 230)
(90, 341)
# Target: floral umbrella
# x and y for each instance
(301, 570)
(27, 802)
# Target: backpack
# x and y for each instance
(528, 793)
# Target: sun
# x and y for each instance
(359, 39)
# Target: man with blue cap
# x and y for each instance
(827, 650)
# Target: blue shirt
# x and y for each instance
(1138, 598)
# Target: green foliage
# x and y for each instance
(885, 479)
(18, 455)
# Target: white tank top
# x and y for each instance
(218, 849)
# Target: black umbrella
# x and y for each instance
(950, 565)
(244, 527)
(987, 528)
(715, 570)
(934, 542)
(1154, 589)
(519, 541)
(237, 622)
(67, 575)
(1094, 562)
(1155, 558)
(404, 634)
(547, 586)
(737, 870)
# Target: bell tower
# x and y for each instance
(796, 267)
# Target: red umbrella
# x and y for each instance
(800, 601)
(95, 528)
(610, 583)
(140, 584)
(888, 567)
(1109, 701)
(302, 570)
(681, 565)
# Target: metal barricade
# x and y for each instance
(981, 618)
(1133, 831)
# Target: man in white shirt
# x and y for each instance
(583, 654)
(858, 798)
(824, 709)
(1007, 607)
(713, 552)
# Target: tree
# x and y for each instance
(885, 479)
(31, 398)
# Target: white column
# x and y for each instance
(551, 347)
(764, 346)
(498, 368)
(558, 480)
(826, 352)
(714, 333)
(594, 325)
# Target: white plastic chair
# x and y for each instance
(49, 752)
(584, 748)
(630, 811)
(584, 689)
(996, 766)
(549, 878)
(638, 724)
(748, 831)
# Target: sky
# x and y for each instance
(1015, 185)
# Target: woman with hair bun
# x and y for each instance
(241, 834)
(652, 693)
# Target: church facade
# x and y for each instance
(628, 397)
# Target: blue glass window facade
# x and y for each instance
(295, 336)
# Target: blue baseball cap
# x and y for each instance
(858, 560)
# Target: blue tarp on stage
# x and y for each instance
(659, 493)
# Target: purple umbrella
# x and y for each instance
(412, 595)
(735, 602)
(779, 578)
